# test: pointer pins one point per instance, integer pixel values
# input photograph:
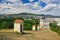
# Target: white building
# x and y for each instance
(41, 23)
(18, 26)
(58, 21)
(45, 22)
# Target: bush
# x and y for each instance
(54, 27)
(4, 25)
(27, 25)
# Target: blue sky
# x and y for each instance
(43, 4)
(0, 0)
(33, 6)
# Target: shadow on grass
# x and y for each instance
(14, 34)
(24, 33)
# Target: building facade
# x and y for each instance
(47, 20)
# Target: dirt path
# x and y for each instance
(43, 34)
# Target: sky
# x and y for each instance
(51, 7)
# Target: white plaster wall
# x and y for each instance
(58, 21)
(34, 27)
(41, 23)
(17, 27)
(58, 24)
(38, 27)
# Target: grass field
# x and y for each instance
(42, 34)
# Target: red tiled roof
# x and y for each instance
(18, 21)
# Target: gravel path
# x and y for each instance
(42, 34)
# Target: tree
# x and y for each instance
(53, 24)
(8, 25)
(5, 25)
(36, 22)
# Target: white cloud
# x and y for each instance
(50, 1)
(52, 9)
(47, 8)
(35, 5)
(19, 7)
(31, 0)
(14, 8)
(46, 1)
(12, 0)
(39, 0)
(27, 4)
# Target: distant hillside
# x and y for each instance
(29, 14)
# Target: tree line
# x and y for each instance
(7, 23)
